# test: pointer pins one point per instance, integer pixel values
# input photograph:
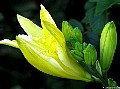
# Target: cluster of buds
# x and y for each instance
(86, 54)
(80, 50)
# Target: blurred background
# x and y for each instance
(17, 73)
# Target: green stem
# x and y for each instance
(102, 79)
(94, 73)
(106, 82)
(98, 78)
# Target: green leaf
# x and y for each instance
(93, 0)
(91, 37)
(108, 42)
(95, 23)
(89, 15)
(89, 4)
(98, 22)
(103, 5)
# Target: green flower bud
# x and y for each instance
(66, 30)
(90, 55)
(84, 45)
(77, 55)
(108, 42)
(71, 35)
(78, 34)
(78, 46)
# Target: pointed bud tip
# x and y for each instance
(42, 7)
(112, 24)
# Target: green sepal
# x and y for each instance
(98, 67)
(90, 55)
(108, 42)
(96, 79)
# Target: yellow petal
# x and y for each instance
(55, 33)
(29, 27)
(54, 54)
(67, 60)
(47, 44)
(8, 42)
(62, 53)
(36, 57)
(44, 15)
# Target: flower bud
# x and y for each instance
(71, 35)
(90, 55)
(108, 42)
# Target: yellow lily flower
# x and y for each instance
(45, 48)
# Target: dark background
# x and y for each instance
(16, 72)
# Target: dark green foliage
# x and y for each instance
(76, 23)
(103, 5)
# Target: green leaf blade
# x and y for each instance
(103, 5)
